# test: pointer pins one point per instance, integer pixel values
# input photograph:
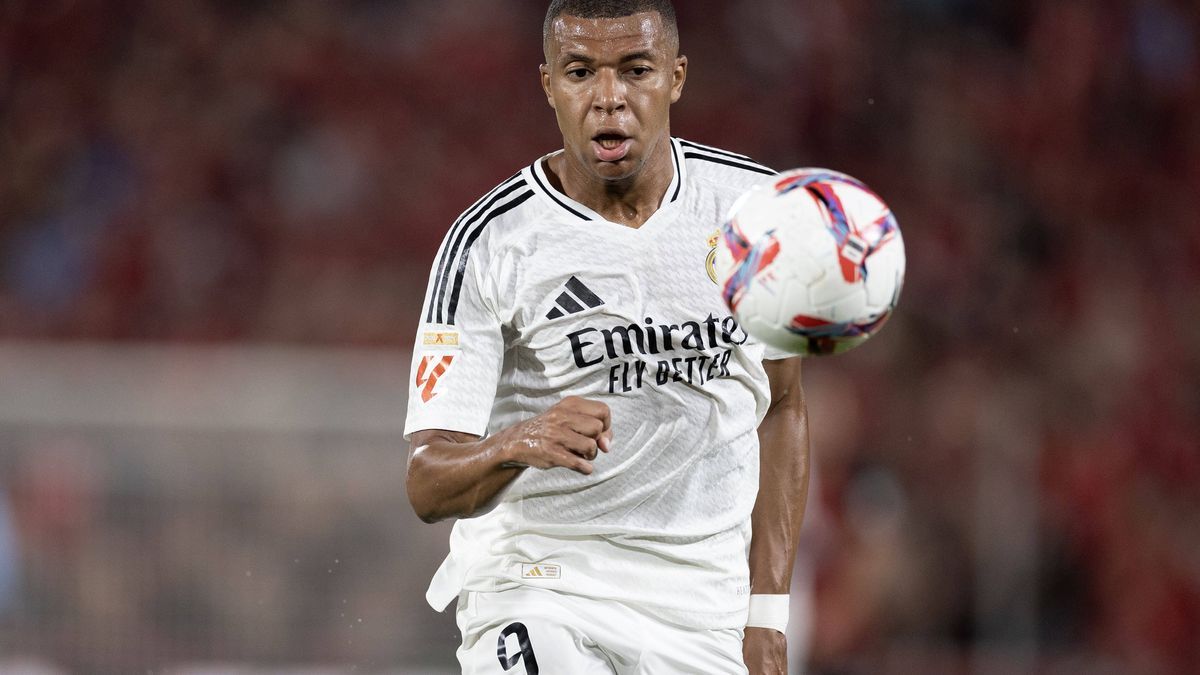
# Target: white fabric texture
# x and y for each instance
(534, 297)
(548, 632)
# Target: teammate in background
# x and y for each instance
(585, 404)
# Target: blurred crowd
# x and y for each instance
(140, 551)
(1008, 474)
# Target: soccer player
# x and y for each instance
(583, 401)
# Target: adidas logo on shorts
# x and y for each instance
(573, 299)
(540, 571)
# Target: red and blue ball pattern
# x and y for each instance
(803, 248)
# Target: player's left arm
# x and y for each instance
(779, 510)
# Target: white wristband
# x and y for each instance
(768, 611)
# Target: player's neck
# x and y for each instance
(630, 202)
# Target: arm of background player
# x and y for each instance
(453, 474)
(779, 510)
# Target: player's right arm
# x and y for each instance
(454, 474)
(459, 464)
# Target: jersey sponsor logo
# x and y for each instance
(429, 372)
(540, 571)
(573, 299)
(440, 338)
(707, 344)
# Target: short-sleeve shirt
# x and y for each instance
(534, 297)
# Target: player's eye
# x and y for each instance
(639, 71)
(577, 73)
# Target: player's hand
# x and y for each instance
(765, 651)
(570, 434)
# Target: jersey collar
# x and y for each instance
(573, 209)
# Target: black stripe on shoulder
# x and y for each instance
(756, 168)
(553, 196)
(452, 252)
(462, 261)
(679, 171)
(443, 259)
(715, 151)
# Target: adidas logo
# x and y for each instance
(572, 300)
(540, 571)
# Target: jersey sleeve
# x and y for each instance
(459, 348)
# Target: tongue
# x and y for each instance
(610, 151)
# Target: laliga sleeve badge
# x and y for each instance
(441, 338)
(429, 371)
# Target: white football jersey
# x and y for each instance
(534, 297)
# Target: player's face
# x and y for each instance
(611, 82)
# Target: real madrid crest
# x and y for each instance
(710, 263)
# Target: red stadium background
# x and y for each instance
(216, 221)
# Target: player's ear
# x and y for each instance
(680, 76)
(544, 70)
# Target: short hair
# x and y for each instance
(610, 9)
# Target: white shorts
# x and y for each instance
(526, 631)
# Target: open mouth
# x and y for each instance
(609, 141)
(611, 147)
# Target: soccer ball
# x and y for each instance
(811, 262)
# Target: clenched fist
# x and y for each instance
(569, 434)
